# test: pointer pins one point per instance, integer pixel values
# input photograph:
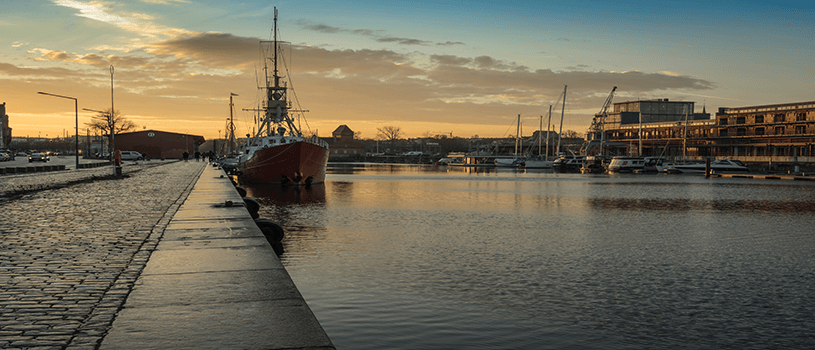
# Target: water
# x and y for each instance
(420, 257)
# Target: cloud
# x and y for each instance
(210, 49)
(450, 43)
(94, 11)
(403, 41)
(137, 23)
(164, 2)
(376, 35)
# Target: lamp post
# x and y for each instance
(76, 116)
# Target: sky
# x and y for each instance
(460, 68)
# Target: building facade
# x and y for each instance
(343, 147)
(5, 130)
(159, 144)
(781, 133)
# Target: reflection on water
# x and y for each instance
(407, 257)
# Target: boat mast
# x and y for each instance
(562, 111)
(540, 132)
(231, 126)
(548, 123)
(685, 135)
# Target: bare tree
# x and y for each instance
(104, 122)
(570, 134)
(389, 133)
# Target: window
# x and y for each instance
(722, 132)
(723, 121)
(759, 131)
(741, 132)
(739, 120)
(778, 118)
(779, 130)
(759, 119)
(800, 129)
(801, 117)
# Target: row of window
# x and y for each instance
(778, 130)
(759, 119)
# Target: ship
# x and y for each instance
(278, 153)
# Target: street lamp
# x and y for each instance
(76, 116)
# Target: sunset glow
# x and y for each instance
(427, 67)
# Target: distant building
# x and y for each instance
(158, 144)
(343, 147)
(780, 133)
(5, 130)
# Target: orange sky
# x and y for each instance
(431, 70)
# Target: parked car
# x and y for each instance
(131, 155)
(40, 157)
(4, 157)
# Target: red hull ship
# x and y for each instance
(297, 163)
(278, 153)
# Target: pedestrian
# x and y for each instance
(197, 156)
(185, 156)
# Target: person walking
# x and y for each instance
(197, 156)
(185, 155)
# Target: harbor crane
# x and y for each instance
(597, 129)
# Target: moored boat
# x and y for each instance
(507, 162)
(538, 164)
(720, 166)
(568, 164)
(626, 164)
(593, 165)
(279, 153)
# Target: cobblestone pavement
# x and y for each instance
(70, 255)
(12, 184)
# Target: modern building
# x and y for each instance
(158, 144)
(780, 133)
(645, 127)
(5, 130)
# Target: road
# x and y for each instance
(68, 161)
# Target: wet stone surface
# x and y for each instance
(70, 255)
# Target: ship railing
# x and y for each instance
(318, 141)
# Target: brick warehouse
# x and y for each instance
(159, 144)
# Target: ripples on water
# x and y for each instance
(418, 257)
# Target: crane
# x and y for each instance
(597, 128)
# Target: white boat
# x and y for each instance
(569, 164)
(721, 166)
(541, 161)
(538, 164)
(506, 162)
(515, 160)
(626, 164)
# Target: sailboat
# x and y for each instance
(542, 161)
(512, 162)
(278, 153)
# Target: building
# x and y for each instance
(770, 133)
(5, 130)
(158, 144)
(660, 123)
(343, 147)
(780, 133)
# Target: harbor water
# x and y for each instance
(425, 257)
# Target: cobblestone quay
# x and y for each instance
(70, 254)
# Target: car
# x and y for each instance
(4, 157)
(40, 157)
(131, 155)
